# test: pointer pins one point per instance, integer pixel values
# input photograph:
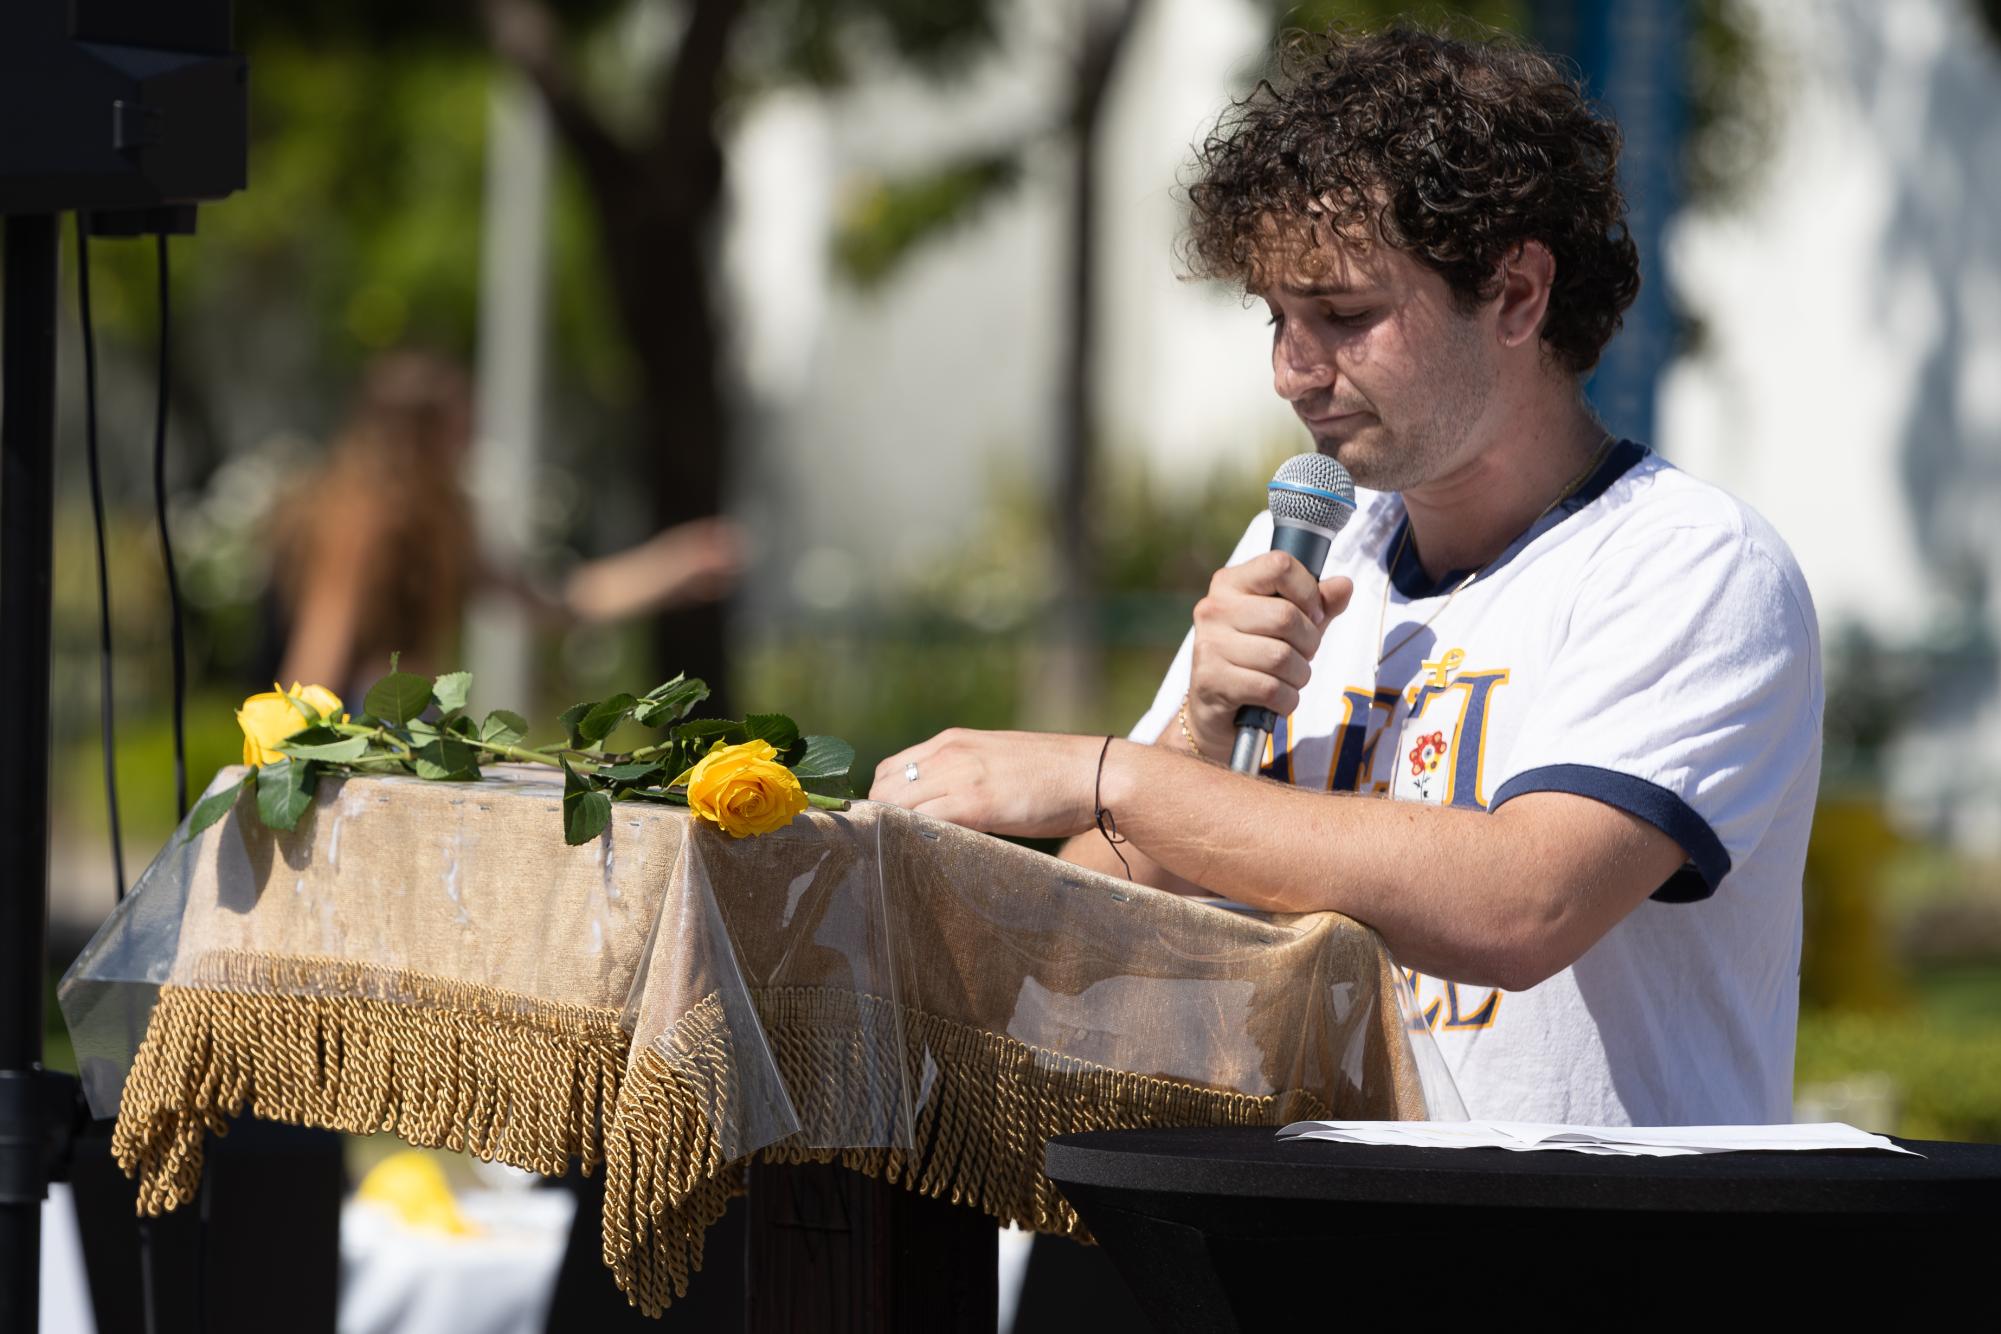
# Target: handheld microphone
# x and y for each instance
(1310, 496)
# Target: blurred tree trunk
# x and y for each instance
(499, 636)
(657, 202)
(1067, 693)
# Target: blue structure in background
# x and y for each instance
(1633, 55)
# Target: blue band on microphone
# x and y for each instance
(1335, 496)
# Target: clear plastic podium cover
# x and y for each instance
(919, 1001)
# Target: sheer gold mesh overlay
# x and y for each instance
(921, 1003)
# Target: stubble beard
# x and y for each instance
(1383, 458)
(1431, 428)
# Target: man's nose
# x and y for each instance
(1300, 366)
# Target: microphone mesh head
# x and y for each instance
(1304, 488)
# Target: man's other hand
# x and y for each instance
(1255, 634)
(1029, 784)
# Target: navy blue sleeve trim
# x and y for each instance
(1709, 860)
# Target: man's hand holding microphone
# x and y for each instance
(1256, 632)
(1259, 626)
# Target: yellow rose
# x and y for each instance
(744, 790)
(324, 701)
(412, 1186)
(268, 718)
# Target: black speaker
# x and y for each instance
(129, 113)
(136, 108)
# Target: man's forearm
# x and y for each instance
(1091, 851)
(1498, 899)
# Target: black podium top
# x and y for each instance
(1252, 1163)
(1235, 1229)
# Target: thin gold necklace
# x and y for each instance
(1382, 613)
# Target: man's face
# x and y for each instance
(1387, 373)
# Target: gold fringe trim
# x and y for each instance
(987, 1104)
(346, 1046)
(668, 1174)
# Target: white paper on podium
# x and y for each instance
(1619, 1141)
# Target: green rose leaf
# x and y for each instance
(284, 790)
(573, 715)
(676, 684)
(663, 796)
(704, 732)
(213, 807)
(596, 725)
(452, 690)
(398, 697)
(825, 757)
(630, 773)
(504, 728)
(776, 728)
(446, 758)
(670, 701)
(316, 735)
(823, 767)
(323, 743)
(462, 726)
(586, 811)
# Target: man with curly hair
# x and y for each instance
(1588, 684)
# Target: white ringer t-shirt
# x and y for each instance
(1649, 644)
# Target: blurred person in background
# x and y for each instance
(377, 551)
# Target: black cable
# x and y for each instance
(148, 1288)
(103, 576)
(202, 1198)
(167, 550)
(180, 652)
(149, 1297)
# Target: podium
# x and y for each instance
(870, 989)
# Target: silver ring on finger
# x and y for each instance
(910, 772)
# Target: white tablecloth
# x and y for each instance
(65, 1290)
(395, 1279)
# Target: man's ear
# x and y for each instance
(1527, 274)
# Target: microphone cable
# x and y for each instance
(148, 1289)
(149, 1298)
(104, 675)
(179, 645)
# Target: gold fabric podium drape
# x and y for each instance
(922, 1003)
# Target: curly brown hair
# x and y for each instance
(1452, 150)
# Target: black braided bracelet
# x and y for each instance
(1108, 827)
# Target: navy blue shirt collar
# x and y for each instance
(1408, 572)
